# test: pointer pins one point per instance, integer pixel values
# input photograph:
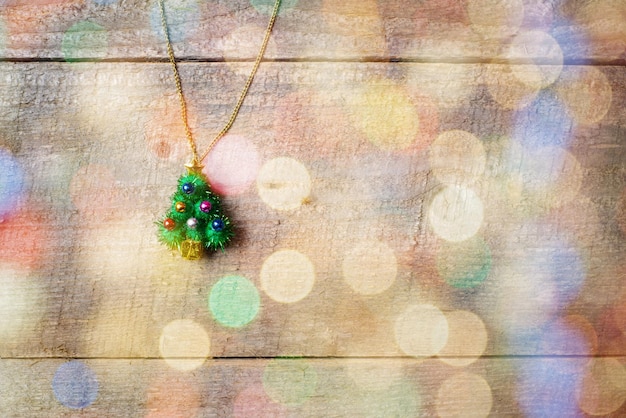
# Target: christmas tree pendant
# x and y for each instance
(195, 220)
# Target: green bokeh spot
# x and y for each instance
(289, 381)
(3, 37)
(465, 264)
(84, 40)
(234, 301)
(266, 6)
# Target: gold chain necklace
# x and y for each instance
(195, 220)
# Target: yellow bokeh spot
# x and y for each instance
(467, 339)
(456, 213)
(457, 157)
(287, 276)
(184, 344)
(370, 268)
(385, 114)
(421, 330)
(464, 395)
(283, 183)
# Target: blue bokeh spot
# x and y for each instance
(75, 385)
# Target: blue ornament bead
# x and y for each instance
(188, 188)
(217, 225)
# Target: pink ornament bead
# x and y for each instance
(205, 206)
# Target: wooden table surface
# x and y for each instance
(429, 199)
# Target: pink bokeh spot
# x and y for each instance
(232, 165)
(253, 402)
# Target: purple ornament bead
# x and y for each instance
(205, 206)
(192, 223)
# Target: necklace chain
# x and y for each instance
(197, 158)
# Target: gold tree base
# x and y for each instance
(191, 250)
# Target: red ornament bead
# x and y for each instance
(169, 224)
(180, 207)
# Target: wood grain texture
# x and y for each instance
(429, 200)
(429, 30)
(295, 387)
(100, 211)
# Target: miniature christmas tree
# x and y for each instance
(195, 220)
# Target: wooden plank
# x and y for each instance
(313, 387)
(430, 30)
(99, 147)
(430, 202)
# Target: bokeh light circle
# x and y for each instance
(537, 58)
(234, 301)
(456, 213)
(547, 386)
(283, 183)
(563, 336)
(241, 42)
(84, 40)
(401, 399)
(374, 376)
(370, 268)
(3, 36)
(75, 385)
(266, 6)
(287, 276)
(11, 183)
(421, 330)
(586, 93)
(254, 402)
(173, 395)
(495, 18)
(232, 165)
(467, 339)
(182, 19)
(506, 89)
(465, 264)
(289, 382)
(603, 388)
(544, 122)
(386, 115)
(445, 84)
(184, 344)
(547, 176)
(542, 275)
(457, 157)
(22, 304)
(464, 395)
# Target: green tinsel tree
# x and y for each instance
(195, 221)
